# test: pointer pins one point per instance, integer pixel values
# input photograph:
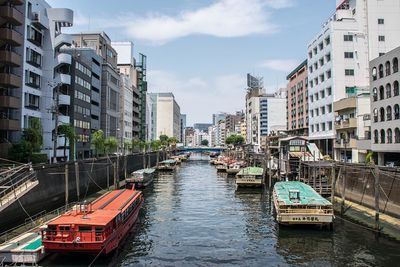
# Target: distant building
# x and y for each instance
(166, 115)
(385, 101)
(182, 128)
(202, 126)
(217, 117)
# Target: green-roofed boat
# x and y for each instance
(298, 203)
(167, 165)
(250, 176)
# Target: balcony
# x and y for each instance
(63, 58)
(10, 80)
(62, 39)
(62, 119)
(9, 124)
(14, 2)
(9, 102)
(10, 58)
(346, 103)
(12, 15)
(11, 37)
(63, 78)
(346, 124)
(341, 145)
(64, 100)
(39, 20)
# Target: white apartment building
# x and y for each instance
(166, 115)
(220, 133)
(46, 78)
(339, 55)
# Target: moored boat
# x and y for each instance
(98, 227)
(222, 167)
(299, 203)
(167, 165)
(250, 176)
(141, 178)
(233, 169)
(177, 159)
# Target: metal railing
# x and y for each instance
(20, 182)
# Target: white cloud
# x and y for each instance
(284, 65)
(222, 18)
(200, 98)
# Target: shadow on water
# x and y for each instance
(195, 217)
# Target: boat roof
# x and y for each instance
(168, 161)
(251, 171)
(147, 170)
(308, 196)
(104, 209)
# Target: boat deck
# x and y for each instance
(308, 196)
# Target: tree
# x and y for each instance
(163, 138)
(155, 146)
(234, 140)
(98, 141)
(69, 133)
(204, 142)
(128, 145)
(110, 144)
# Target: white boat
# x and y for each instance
(141, 178)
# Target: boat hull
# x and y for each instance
(232, 171)
(248, 182)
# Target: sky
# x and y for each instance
(201, 50)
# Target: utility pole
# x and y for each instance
(55, 111)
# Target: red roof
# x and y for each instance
(104, 209)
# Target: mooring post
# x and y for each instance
(77, 179)
(125, 166)
(108, 178)
(66, 185)
(116, 186)
(333, 183)
(342, 210)
(376, 187)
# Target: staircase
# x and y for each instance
(16, 182)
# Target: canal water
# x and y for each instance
(195, 217)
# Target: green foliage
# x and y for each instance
(110, 144)
(164, 138)
(31, 141)
(39, 158)
(234, 139)
(155, 145)
(369, 159)
(204, 142)
(98, 141)
(69, 133)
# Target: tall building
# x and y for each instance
(339, 55)
(297, 100)
(385, 110)
(217, 117)
(183, 126)
(202, 126)
(166, 115)
(129, 96)
(11, 60)
(84, 93)
(232, 123)
(110, 79)
(141, 67)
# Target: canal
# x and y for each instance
(195, 217)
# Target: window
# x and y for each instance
(321, 46)
(328, 57)
(34, 36)
(348, 38)
(387, 68)
(396, 112)
(375, 113)
(381, 54)
(316, 96)
(315, 50)
(310, 54)
(329, 91)
(321, 61)
(322, 110)
(327, 40)
(375, 94)
(397, 135)
(82, 82)
(83, 69)
(33, 57)
(380, 71)
(349, 72)
(395, 65)
(330, 125)
(328, 74)
(322, 93)
(315, 65)
(389, 113)
(374, 73)
(323, 126)
(329, 108)
(316, 112)
(348, 55)
(322, 78)
(395, 88)
(388, 90)
(109, 53)
(312, 128)
(317, 125)
(382, 114)
(310, 69)
(312, 113)
(382, 136)
(381, 21)
(376, 136)
(32, 101)
(381, 93)
(381, 38)
(311, 98)
(32, 79)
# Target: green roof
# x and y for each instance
(308, 196)
(251, 171)
(168, 161)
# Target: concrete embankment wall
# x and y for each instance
(84, 178)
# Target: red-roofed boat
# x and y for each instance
(98, 227)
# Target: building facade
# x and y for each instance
(385, 110)
(183, 126)
(11, 62)
(297, 101)
(110, 80)
(339, 55)
(141, 67)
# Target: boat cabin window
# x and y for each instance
(99, 229)
(85, 228)
(294, 195)
(64, 228)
